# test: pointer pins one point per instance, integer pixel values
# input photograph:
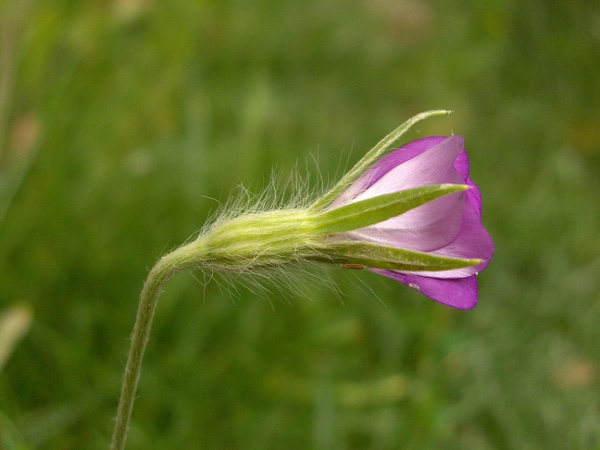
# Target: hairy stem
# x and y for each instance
(185, 257)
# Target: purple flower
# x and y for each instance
(449, 226)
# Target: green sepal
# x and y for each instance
(373, 155)
(377, 256)
(380, 208)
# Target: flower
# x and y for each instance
(413, 215)
(449, 226)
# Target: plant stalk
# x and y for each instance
(185, 257)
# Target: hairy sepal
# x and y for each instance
(373, 155)
(383, 257)
(257, 240)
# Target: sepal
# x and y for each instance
(374, 210)
(377, 256)
(373, 155)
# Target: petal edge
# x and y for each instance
(460, 293)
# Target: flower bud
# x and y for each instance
(413, 215)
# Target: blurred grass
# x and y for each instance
(123, 120)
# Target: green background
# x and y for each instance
(125, 123)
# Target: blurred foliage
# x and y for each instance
(122, 121)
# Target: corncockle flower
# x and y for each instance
(413, 215)
(449, 226)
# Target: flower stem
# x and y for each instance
(185, 257)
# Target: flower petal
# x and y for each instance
(400, 156)
(459, 293)
(433, 225)
(461, 164)
(385, 164)
(473, 242)
(432, 166)
(426, 228)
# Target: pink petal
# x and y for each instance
(430, 226)
(387, 163)
(433, 166)
(459, 293)
(473, 242)
(461, 164)
(426, 228)
(400, 156)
